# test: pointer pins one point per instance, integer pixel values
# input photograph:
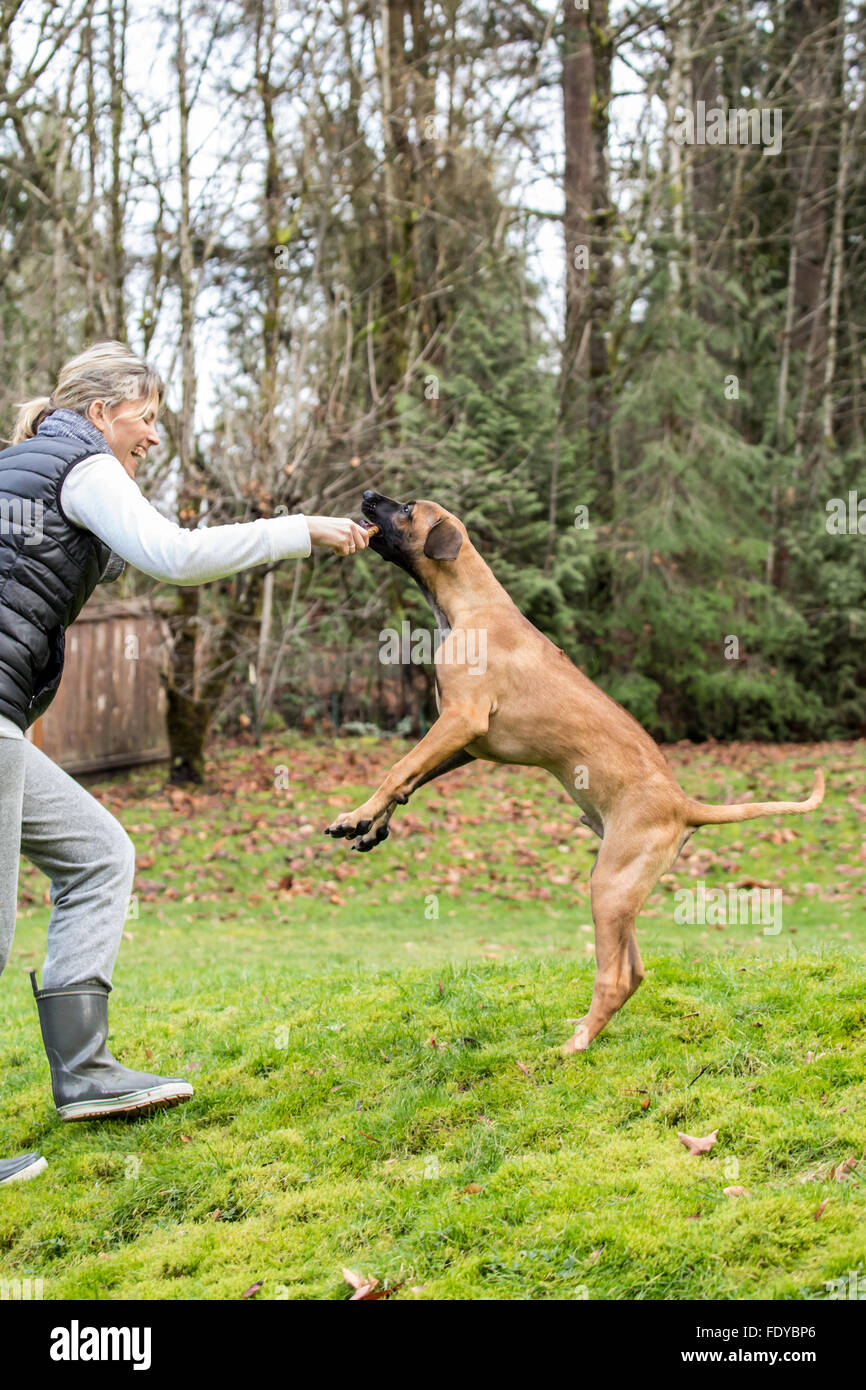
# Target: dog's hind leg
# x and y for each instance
(623, 879)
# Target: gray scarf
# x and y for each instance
(68, 424)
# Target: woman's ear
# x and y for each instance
(443, 541)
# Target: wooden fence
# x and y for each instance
(110, 709)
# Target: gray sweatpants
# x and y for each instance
(88, 857)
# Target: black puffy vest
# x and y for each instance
(48, 570)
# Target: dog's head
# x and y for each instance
(418, 536)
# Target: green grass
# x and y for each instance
(360, 1061)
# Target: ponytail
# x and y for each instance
(30, 417)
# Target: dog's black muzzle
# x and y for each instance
(382, 511)
(376, 507)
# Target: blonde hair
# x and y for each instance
(109, 372)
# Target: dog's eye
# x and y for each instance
(407, 507)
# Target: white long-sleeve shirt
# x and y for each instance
(99, 495)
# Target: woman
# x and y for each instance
(70, 514)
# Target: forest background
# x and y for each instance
(591, 276)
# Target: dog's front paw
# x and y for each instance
(351, 823)
(374, 836)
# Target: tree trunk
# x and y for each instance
(266, 440)
(577, 82)
(399, 276)
(117, 29)
(585, 371)
(188, 717)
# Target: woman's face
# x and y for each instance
(129, 433)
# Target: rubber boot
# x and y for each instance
(21, 1168)
(88, 1083)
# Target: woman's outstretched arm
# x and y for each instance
(100, 496)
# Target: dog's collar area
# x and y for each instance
(443, 623)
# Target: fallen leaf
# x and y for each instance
(185, 1139)
(473, 1187)
(698, 1146)
(845, 1169)
(252, 1290)
(363, 1286)
(644, 1105)
(736, 1192)
(820, 1211)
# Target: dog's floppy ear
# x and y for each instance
(443, 541)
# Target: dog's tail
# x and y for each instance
(700, 813)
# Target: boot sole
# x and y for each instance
(26, 1173)
(158, 1098)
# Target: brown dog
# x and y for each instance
(529, 704)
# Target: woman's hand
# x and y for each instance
(338, 533)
